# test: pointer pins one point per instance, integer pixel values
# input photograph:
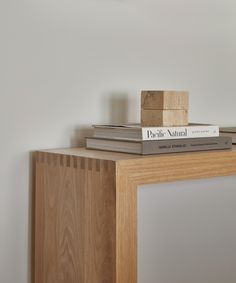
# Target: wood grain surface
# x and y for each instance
(75, 220)
(86, 208)
(166, 118)
(160, 99)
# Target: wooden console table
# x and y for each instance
(86, 208)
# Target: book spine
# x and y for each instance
(166, 133)
(198, 144)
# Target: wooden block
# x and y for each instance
(159, 118)
(160, 100)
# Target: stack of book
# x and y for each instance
(132, 138)
(164, 128)
(229, 132)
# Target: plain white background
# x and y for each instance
(65, 65)
(187, 232)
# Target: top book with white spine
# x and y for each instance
(136, 132)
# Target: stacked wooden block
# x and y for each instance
(164, 108)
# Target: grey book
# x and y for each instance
(162, 146)
(230, 132)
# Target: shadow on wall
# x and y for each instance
(116, 108)
(79, 135)
(120, 107)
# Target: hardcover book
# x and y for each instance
(136, 132)
(230, 132)
(161, 146)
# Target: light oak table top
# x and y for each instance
(86, 208)
(116, 156)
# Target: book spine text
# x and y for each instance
(165, 133)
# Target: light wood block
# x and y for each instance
(160, 100)
(86, 208)
(161, 118)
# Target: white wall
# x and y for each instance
(187, 231)
(64, 64)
